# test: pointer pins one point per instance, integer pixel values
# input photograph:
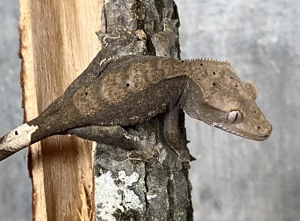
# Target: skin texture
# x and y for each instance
(128, 90)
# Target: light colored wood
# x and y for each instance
(57, 42)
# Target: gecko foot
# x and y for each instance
(169, 24)
(183, 158)
(164, 41)
(148, 149)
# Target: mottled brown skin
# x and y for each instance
(133, 89)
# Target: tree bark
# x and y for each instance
(132, 189)
(57, 42)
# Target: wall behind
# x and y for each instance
(15, 185)
(235, 179)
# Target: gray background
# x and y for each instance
(15, 186)
(233, 179)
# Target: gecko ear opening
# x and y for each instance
(251, 89)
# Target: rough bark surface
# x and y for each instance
(57, 42)
(132, 189)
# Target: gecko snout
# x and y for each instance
(266, 132)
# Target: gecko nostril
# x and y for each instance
(16, 133)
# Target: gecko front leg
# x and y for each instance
(165, 45)
(174, 133)
(135, 147)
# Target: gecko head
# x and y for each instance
(17, 139)
(222, 100)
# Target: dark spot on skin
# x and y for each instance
(214, 73)
(16, 133)
(201, 64)
(127, 85)
(255, 112)
(86, 93)
(214, 84)
(206, 72)
(231, 77)
(236, 85)
(258, 127)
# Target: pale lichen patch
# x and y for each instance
(162, 156)
(115, 193)
(151, 196)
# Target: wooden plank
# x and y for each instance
(57, 41)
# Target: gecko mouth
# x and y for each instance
(219, 126)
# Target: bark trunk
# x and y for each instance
(57, 42)
(137, 190)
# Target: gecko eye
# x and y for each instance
(234, 116)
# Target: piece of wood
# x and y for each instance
(132, 189)
(57, 42)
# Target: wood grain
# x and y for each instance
(57, 41)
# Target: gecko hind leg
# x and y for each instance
(174, 134)
(164, 41)
(137, 149)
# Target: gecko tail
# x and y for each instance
(16, 140)
(4, 154)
